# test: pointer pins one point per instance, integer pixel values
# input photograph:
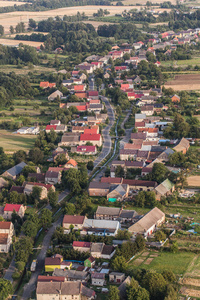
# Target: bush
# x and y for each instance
(20, 265)
(16, 275)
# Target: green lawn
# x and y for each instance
(14, 142)
(178, 262)
(186, 62)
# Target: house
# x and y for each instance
(52, 177)
(55, 95)
(69, 139)
(56, 261)
(100, 189)
(76, 221)
(81, 246)
(98, 279)
(55, 122)
(164, 189)
(140, 185)
(118, 192)
(89, 262)
(182, 146)
(107, 252)
(116, 277)
(148, 223)
(96, 249)
(58, 151)
(95, 139)
(100, 227)
(43, 278)
(122, 287)
(107, 213)
(71, 275)
(63, 290)
(175, 98)
(86, 150)
(148, 110)
(126, 154)
(10, 208)
(14, 171)
(146, 171)
(46, 84)
(6, 233)
(28, 188)
(140, 117)
(71, 164)
(164, 156)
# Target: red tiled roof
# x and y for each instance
(90, 137)
(69, 219)
(11, 207)
(82, 108)
(49, 127)
(51, 85)
(139, 182)
(90, 131)
(47, 186)
(49, 261)
(55, 169)
(51, 278)
(86, 148)
(81, 95)
(92, 93)
(5, 225)
(72, 162)
(116, 180)
(79, 87)
(81, 244)
(44, 84)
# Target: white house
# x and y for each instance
(100, 227)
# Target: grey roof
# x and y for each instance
(112, 211)
(70, 139)
(98, 275)
(150, 219)
(120, 189)
(99, 185)
(169, 151)
(70, 288)
(71, 274)
(122, 287)
(14, 171)
(128, 214)
(97, 247)
(48, 287)
(140, 116)
(90, 223)
(117, 274)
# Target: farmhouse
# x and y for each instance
(14, 171)
(95, 139)
(56, 261)
(99, 189)
(148, 223)
(118, 192)
(116, 277)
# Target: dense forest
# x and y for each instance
(14, 56)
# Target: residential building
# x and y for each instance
(148, 223)
(63, 291)
(175, 98)
(10, 208)
(95, 139)
(28, 188)
(98, 279)
(89, 262)
(55, 95)
(14, 171)
(100, 189)
(71, 164)
(118, 192)
(6, 233)
(107, 213)
(182, 146)
(164, 189)
(56, 261)
(86, 150)
(116, 277)
(140, 185)
(81, 246)
(71, 275)
(76, 221)
(52, 177)
(122, 287)
(100, 227)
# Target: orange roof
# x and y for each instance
(72, 162)
(152, 129)
(44, 84)
(51, 85)
(90, 131)
(79, 87)
(81, 95)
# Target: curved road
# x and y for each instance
(107, 143)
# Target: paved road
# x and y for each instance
(31, 285)
(107, 143)
(10, 270)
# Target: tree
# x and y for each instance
(46, 218)
(20, 265)
(169, 276)
(90, 165)
(135, 292)
(69, 209)
(155, 284)
(6, 288)
(24, 247)
(36, 155)
(19, 156)
(53, 198)
(119, 264)
(159, 172)
(1, 30)
(20, 180)
(113, 293)
(36, 193)
(123, 235)
(61, 159)
(30, 229)
(28, 169)
(32, 23)
(140, 242)
(12, 30)
(119, 171)
(160, 236)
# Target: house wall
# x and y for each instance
(8, 214)
(82, 249)
(48, 297)
(76, 226)
(98, 282)
(115, 278)
(51, 268)
(5, 247)
(98, 192)
(106, 256)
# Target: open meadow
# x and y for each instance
(11, 42)
(13, 142)
(10, 3)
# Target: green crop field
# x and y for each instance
(178, 262)
(13, 142)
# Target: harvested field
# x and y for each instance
(145, 253)
(8, 42)
(10, 3)
(12, 18)
(193, 181)
(184, 82)
(189, 292)
(138, 261)
(191, 281)
(148, 261)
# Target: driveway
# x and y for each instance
(107, 143)
(31, 285)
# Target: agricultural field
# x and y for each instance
(11, 42)
(193, 181)
(13, 142)
(10, 3)
(25, 69)
(159, 261)
(188, 82)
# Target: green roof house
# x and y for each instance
(89, 262)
